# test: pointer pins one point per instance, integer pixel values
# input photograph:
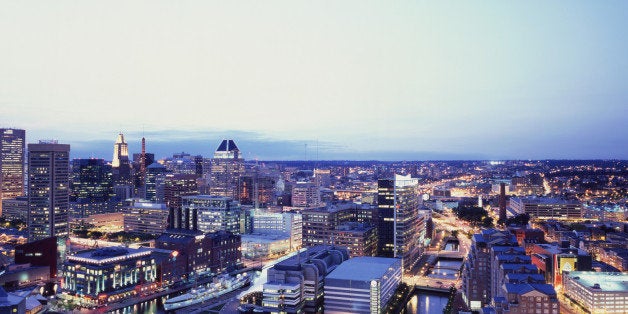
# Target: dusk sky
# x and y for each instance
(388, 80)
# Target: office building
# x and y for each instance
(289, 223)
(15, 208)
(209, 213)
(553, 260)
(120, 164)
(146, 217)
(202, 253)
(116, 271)
(175, 187)
(296, 285)
(546, 208)
(184, 163)
(265, 245)
(12, 144)
(306, 195)
(91, 187)
(40, 253)
(226, 168)
(362, 285)
(397, 219)
(322, 178)
(359, 238)
(256, 189)
(155, 180)
(48, 190)
(598, 292)
(320, 223)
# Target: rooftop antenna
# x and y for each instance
(305, 151)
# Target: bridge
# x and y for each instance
(440, 289)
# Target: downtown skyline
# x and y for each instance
(362, 81)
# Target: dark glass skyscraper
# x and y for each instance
(398, 201)
(92, 186)
(48, 190)
(12, 144)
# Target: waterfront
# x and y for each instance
(426, 303)
(446, 269)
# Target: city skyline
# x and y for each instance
(352, 80)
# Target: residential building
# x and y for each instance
(306, 195)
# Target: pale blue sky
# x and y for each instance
(367, 79)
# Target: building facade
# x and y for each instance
(362, 285)
(226, 168)
(296, 285)
(398, 228)
(598, 292)
(48, 190)
(12, 148)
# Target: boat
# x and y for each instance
(223, 285)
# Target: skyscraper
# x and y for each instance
(91, 187)
(12, 143)
(398, 214)
(48, 189)
(226, 169)
(120, 163)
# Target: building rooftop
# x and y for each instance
(603, 281)
(9, 299)
(108, 255)
(523, 288)
(364, 268)
(544, 200)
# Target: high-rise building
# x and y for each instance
(145, 217)
(306, 195)
(48, 189)
(320, 223)
(175, 187)
(398, 201)
(209, 213)
(12, 143)
(92, 187)
(154, 185)
(226, 168)
(256, 189)
(120, 163)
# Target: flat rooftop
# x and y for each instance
(364, 268)
(607, 281)
(108, 255)
(545, 200)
